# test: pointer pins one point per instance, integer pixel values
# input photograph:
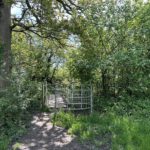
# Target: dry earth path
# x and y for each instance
(43, 136)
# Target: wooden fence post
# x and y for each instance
(55, 112)
(43, 93)
(81, 97)
(91, 99)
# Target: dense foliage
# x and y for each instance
(114, 52)
(106, 43)
(117, 128)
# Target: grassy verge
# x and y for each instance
(127, 132)
(4, 141)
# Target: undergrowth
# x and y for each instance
(119, 127)
(14, 114)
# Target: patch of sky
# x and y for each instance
(16, 10)
(74, 40)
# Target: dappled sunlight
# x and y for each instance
(43, 136)
(74, 74)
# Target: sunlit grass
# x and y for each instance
(125, 132)
(16, 146)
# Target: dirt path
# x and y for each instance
(43, 136)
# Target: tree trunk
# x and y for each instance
(5, 43)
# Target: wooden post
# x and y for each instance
(45, 93)
(72, 93)
(91, 99)
(55, 98)
(81, 98)
(67, 97)
(55, 106)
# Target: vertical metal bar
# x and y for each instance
(72, 94)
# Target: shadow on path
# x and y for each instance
(43, 136)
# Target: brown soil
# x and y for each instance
(43, 136)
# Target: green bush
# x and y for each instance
(9, 110)
(13, 113)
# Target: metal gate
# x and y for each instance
(72, 97)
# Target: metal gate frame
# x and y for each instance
(82, 101)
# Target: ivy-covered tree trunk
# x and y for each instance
(5, 42)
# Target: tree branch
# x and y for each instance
(66, 7)
(32, 11)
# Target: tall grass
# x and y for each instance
(124, 132)
(4, 141)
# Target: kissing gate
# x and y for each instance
(73, 97)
